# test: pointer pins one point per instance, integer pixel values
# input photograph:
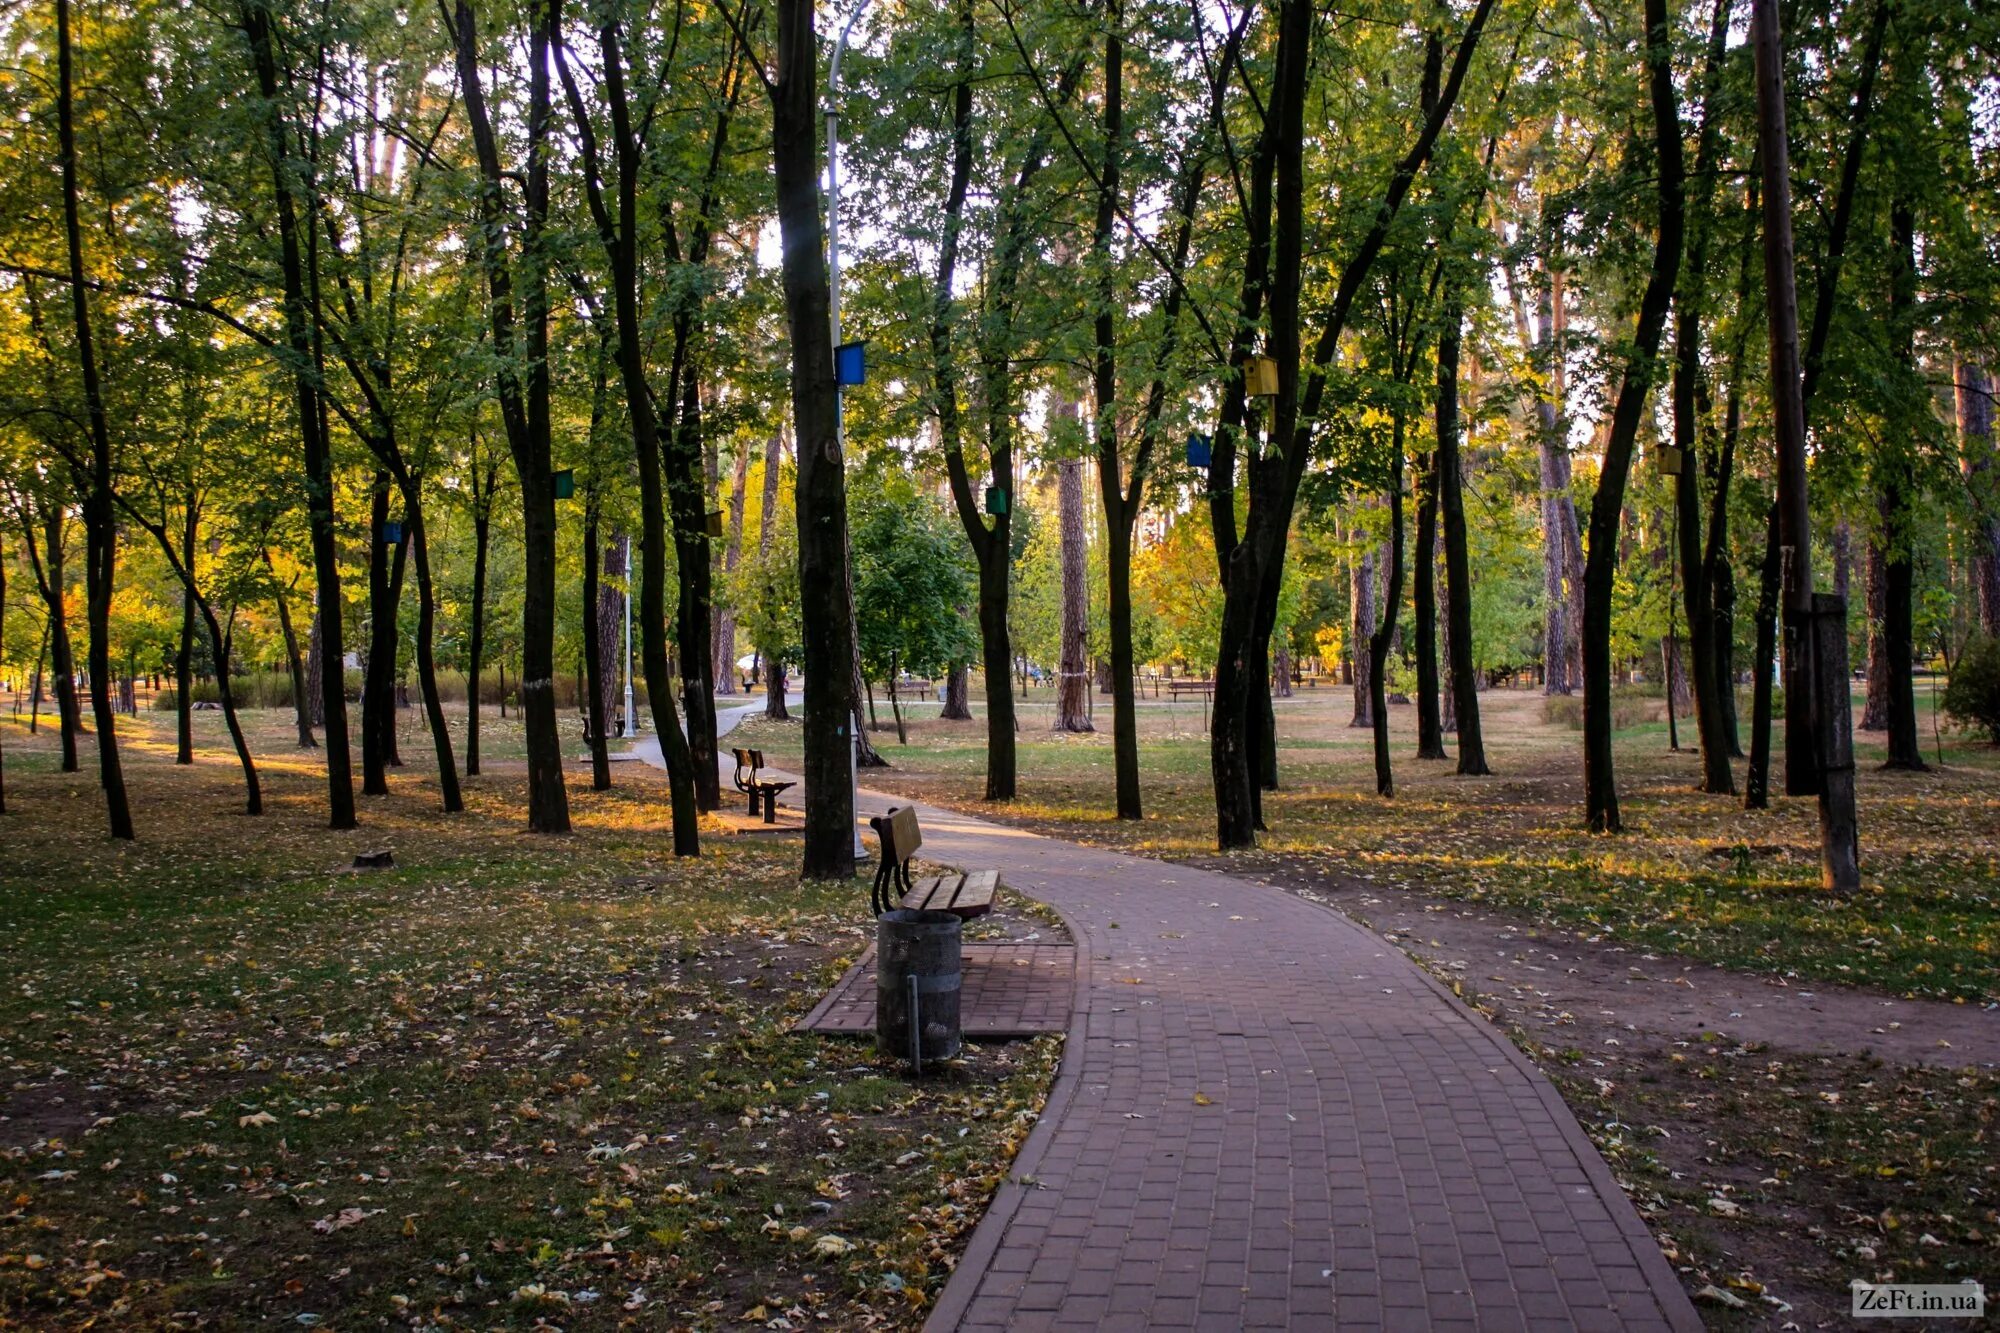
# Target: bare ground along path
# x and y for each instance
(1268, 1117)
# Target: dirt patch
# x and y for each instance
(1568, 987)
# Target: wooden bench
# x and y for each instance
(968, 895)
(1176, 688)
(763, 792)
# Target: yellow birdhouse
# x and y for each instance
(1667, 460)
(1260, 377)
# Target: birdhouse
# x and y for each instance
(850, 363)
(565, 483)
(996, 500)
(1199, 451)
(715, 524)
(1260, 377)
(392, 534)
(1667, 460)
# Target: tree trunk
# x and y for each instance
(1756, 777)
(821, 488)
(694, 571)
(301, 292)
(315, 674)
(1607, 505)
(1430, 719)
(1875, 714)
(1392, 601)
(378, 703)
(100, 533)
(1457, 559)
(1973, 390)
(427, 676)
(1360, 626)
(732, 555)
(53, 583)
(1895, 484)
(524, 393)
(593, 654)
(301, 711)
(610, 629)
(482, 540)
(957, 689)
(184, 652)
(1073, 659)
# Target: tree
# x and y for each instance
(909, 582)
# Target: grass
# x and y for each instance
(513, 1079)
(1695, 875)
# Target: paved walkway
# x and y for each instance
(1268, 1117)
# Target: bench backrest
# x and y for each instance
(901, 835)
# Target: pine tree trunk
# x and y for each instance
(1073, 659)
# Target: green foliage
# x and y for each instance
(912, 581)
(1973, 697)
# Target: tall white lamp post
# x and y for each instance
(833, 304)
(631, 705)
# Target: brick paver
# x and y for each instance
(1006, 990)
(1267, 1117)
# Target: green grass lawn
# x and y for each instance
(1696, 875)
(512, 1079)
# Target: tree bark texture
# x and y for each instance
(1073, 659)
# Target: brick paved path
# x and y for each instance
(1007, 990)
(1267, 1117)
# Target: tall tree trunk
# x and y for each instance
(1973, 390)
(610, 629)
(1894, 486)
(1562, 557)
(1430, 719)
(475, 657)
(378, 703)
(1073, 659)
(1763, 665)
(593, 654)
(774, 668)
(314, 674)
(100, 533)
(1360, 627)
(732, 555)
(1818, 762)
(1607, 505)
(1457, 558)
(294, 664)
(184, 651)
(300, 271)
(418, 536)
(1392, 601)
(821, 488)
(52, 581)
(524, 391)
(1875, 713)
(694, 571)
(618, 232)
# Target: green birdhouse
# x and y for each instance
(565, 483)
(996, 500)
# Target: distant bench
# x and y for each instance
(763, 792)
(1176, 688)
(968, 895)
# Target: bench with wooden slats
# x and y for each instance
(968, 895)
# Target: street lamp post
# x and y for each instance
(839, 397)
(631, 707)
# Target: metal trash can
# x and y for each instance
(917, 975)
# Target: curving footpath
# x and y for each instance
(1267, 1117)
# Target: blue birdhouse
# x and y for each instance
(1199, 452)
(850, 363)
(392, 534)
(565, 483)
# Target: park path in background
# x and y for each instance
(1268, 1117)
